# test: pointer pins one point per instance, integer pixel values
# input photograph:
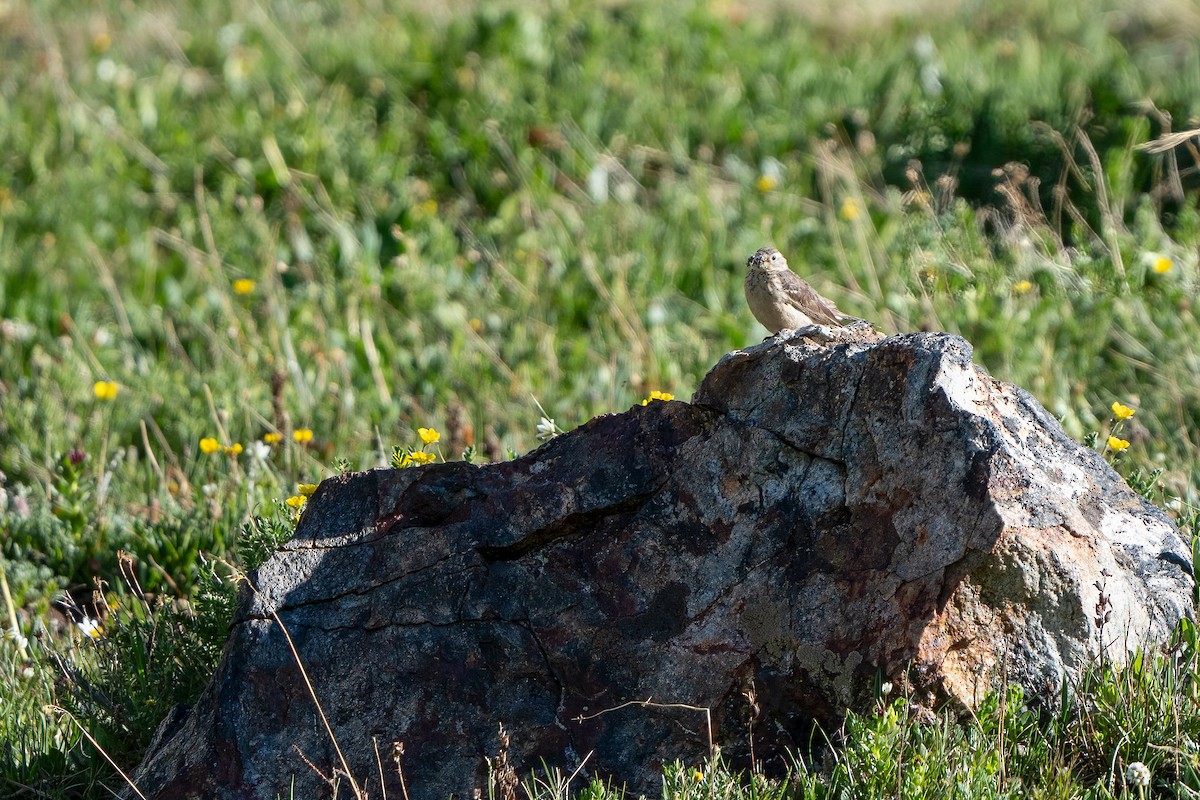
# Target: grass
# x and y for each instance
(457, 221)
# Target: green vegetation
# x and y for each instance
(260, 219)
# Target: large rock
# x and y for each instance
(826, 512)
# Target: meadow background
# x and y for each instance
(246, 245)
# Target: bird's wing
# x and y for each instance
(805, 298)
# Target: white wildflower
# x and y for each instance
(16, 330)
(106, 70)
(1137, 774)
(772, 168)
(597, 183)
(259, 451)
(230, 36)
(546, 429)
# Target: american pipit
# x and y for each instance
(779, 298)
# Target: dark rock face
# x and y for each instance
(822, 513)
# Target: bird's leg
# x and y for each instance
(815, 332)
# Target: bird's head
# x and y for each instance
(767, 258)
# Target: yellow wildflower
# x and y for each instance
(427, 208)
(1117, 444)
(233, 449)
(850, 210)
(1163, 264)
(1022, 287)
(698, 776)
(243, 286)
(296, 501)
(101, 41)
(273, 437)
(1121, 411)
(766, 183)
(657, 395)
(106, 390)
(429, 435)
(302, 435)
(421, 457)
(306, 489)
(209, 445)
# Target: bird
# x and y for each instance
(780, 299)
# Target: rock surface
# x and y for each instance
(825, 512)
